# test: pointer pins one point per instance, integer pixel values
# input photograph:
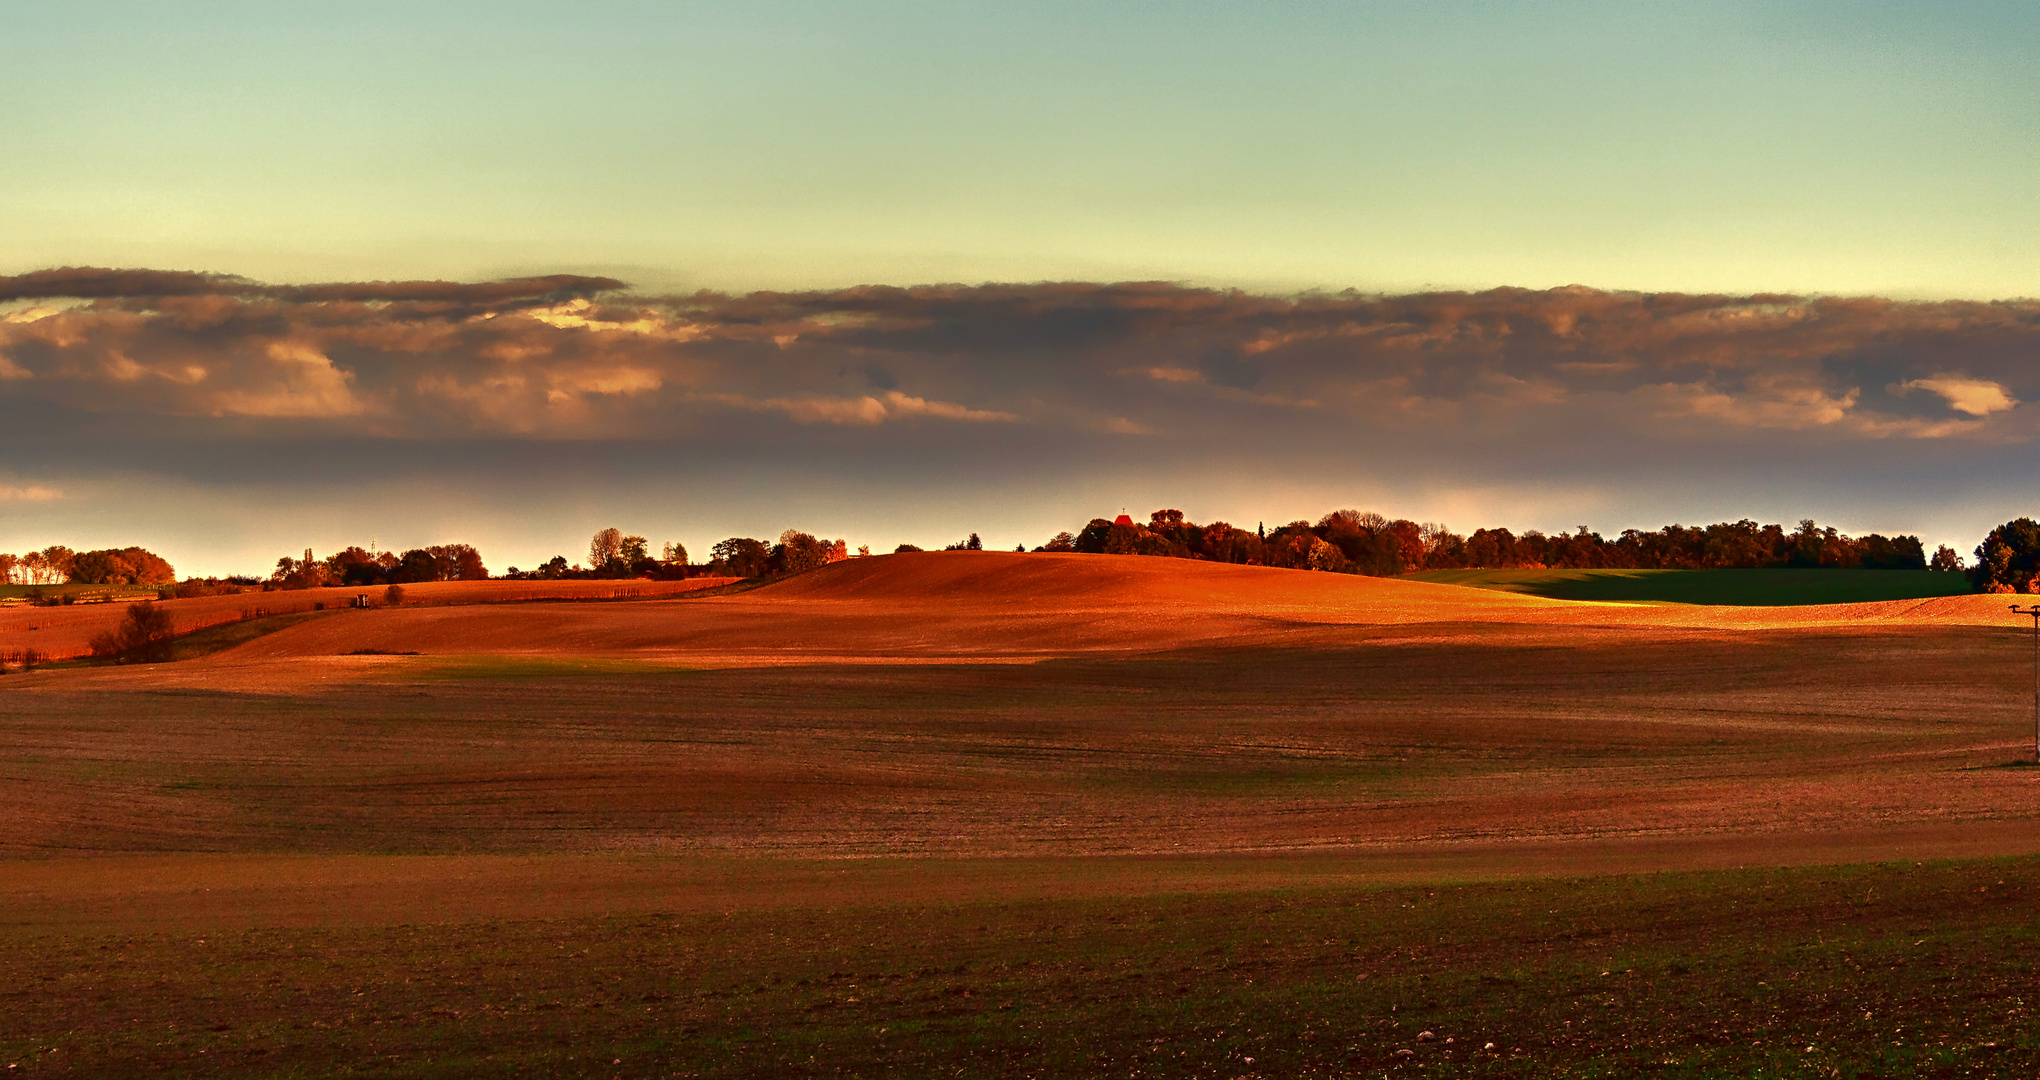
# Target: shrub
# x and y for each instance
(143, 637)
(394, 596)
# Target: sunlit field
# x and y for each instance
(993, 815)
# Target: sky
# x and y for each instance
(904, 271)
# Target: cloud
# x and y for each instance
(30, 493)
(1169, 374)
(301, 383)
(558, 288)
(1977, 397)
(870, 410)
(1764, 403)
(92, 282)
(570, 356)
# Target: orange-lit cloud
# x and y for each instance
(1977, 397)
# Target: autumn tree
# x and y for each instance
(120, 566)
(798, 551)
(740, 556)
(1946, 558)
(1491, 549)
(2008, 560)
(1222, 542)
(1290, 546)
(100, 568)
(458, 562)
(1443, 548)
(1324, 556)
(355, 566)
(1091, 538)
(1878, 552)
(50, 566)
(305, 573)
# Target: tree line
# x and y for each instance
(357, 567)
(57, 564)
(1343, 541)
(1350, 541)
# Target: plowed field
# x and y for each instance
(943, 734)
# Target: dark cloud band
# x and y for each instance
(94, 283)
(580, 357)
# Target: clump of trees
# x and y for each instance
(611, 554)
(2008, 560)
(357, 567)
(211, 586)
(1349, 541)
(742, 556)
(57, 564)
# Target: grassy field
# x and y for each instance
(113, 592)
(1716, 587)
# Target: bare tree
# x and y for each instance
(604, 548)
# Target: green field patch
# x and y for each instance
(80, 593)
(225, 636)
(1737, 588)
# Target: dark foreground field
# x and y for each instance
(1881, 970)
(753, 851)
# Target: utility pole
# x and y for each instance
(2034, 611)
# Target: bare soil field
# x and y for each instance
(1032, 746)
(60, 632)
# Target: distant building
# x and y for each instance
(1122, 520)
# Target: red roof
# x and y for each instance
(1122, 520)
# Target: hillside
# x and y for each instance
(939, 606)
(932, 605)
